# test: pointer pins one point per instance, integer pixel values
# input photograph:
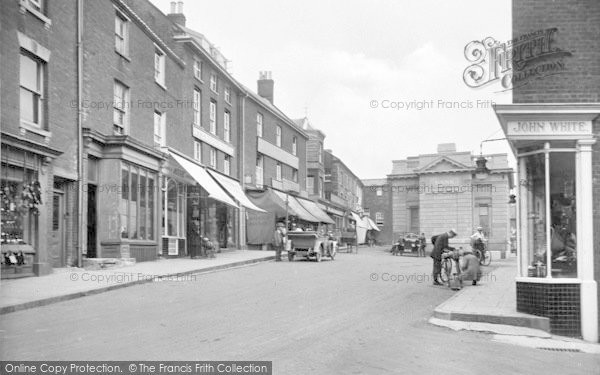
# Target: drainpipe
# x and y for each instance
(79, 134)
(241, 158)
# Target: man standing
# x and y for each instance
(441, 243)
(422, 244)
(478, 239)
(279, 240)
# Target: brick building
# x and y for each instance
(343, 189)
(163, 157)
(432, 193)
(553, 126)
(38, 125)
(315, 164)
(378, 205)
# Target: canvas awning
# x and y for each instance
(201, 176)
(371, 224)
(235, 189)
(316, 211)
(359, 222)
(296, 209)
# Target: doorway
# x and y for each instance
(56, 243)
(91, 222)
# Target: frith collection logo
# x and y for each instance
(516, 62)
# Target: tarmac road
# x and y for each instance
(362, 313)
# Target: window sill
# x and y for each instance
(123, 55)
(199, 80)
(33, 128)
(131, 241)
(215, 92)
(42, 17)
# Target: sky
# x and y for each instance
(346, 63)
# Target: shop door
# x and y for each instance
(56, 245)
(91, 222)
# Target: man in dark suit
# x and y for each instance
(441, 243)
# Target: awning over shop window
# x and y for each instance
(204, 179)
(234, 188)
(316, 211)
(371, 224)
(296, 209)
(268, 201)
(359, 222)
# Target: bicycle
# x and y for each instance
(447, 265)
(484, 255)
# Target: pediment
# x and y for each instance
(444, 164)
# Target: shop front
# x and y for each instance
(197, 208)
(26, 205)
(176, 184)
(122, 191)
(553, 146)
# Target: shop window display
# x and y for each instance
(563, 229)
(20, 198)
(551, 224)
(535, 237)
(136, 208)
(174, 200)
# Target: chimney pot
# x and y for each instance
(176, 15)
(266, 85)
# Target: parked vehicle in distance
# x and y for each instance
(310, 245)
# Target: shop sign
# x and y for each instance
(548, 128)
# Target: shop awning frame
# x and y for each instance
(235, 190)
(316, 211)
(204, 179)
(296, 209)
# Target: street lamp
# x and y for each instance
(481, 170)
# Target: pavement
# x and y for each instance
(69, 283)
(490, 307)
(493, 300)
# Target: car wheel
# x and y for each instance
(318, 255)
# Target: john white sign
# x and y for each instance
(549, 128)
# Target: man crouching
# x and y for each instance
(470, 268)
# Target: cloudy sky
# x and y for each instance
(342, 62)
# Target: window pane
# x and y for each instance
(133, 205)
(28, 104)
(29, 73)
(563, 209)
(197, 106)
(180, 219)
(534, 232)
(172, 208)
(143, 213)
(150, 213)
(123, 207)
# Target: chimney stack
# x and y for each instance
(266, 85)
(176, 15)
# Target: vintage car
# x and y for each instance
(310, 245)
(407, 244)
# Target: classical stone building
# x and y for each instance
(431, 193)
